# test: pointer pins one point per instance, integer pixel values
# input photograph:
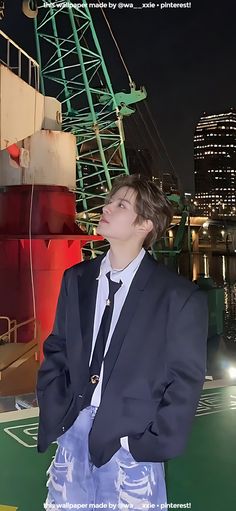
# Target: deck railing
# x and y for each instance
(13, 327)
(18, 61)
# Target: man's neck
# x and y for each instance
(121, 257)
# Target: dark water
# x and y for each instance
(222, 269)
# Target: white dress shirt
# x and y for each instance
(126, 275)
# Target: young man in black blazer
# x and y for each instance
(124, 365)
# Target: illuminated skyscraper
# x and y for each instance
(215, 164)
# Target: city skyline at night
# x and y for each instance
(215, 164)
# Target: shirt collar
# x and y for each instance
(126, 274)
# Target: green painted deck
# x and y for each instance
(203, 479)
(205, 475)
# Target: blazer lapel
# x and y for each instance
(134, 295)
(80, 317)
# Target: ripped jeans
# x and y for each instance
(122, 483)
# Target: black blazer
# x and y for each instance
(153, 371)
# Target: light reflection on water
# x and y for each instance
(222, 269)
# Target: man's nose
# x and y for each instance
(106, 208)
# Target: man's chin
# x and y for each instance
(100, 230)
(103, 232)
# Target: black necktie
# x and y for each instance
(99, 348)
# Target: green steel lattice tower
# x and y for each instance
(73, 70)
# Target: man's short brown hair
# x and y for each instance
(151, 204)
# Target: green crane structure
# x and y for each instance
(72, 68)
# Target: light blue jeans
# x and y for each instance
(122, 483)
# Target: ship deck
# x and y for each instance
(203, 478)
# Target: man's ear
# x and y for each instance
(146, 226)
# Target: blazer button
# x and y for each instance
(63, 428)
(80, 395)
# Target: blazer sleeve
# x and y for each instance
(53, 384)
(166, 437)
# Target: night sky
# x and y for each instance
(184, 57)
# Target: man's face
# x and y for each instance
(118, 217)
